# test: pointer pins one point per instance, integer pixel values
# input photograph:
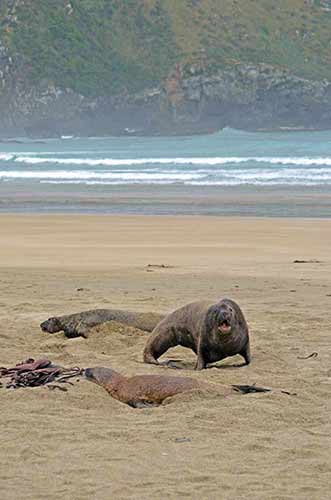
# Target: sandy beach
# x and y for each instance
(82, 444)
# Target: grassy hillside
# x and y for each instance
(99, 47)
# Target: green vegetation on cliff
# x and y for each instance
(102, 47)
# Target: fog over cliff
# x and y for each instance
(102, 67)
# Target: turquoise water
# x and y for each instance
(68, 174)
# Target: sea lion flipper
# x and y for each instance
(142, 404)
(171, 363)
(163, 337)
(247, 389)
(82, 329)
(246, 354)
(149, 358)
(201, 363)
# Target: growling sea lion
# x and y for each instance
(151, 390)
(212, 331)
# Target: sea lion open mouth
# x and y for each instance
(225, 327)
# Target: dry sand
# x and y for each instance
(82, 444)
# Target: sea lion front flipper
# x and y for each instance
(162, 338)
(142, 404)
(201, 363)
(172, 363)
(246, 354)
(82, 329)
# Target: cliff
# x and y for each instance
(149, 67)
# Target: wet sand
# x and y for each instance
(172, 199)
(82, 444)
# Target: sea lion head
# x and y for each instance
(99, 375)
(221, 317)
(51, 325)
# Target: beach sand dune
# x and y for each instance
(82, 444)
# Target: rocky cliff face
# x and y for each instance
(63, 65)
(254, 97)
(251, 97)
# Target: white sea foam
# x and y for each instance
(304, 161)
(87, 175)
(288, 174)
(256, 182)
(218, 171)
(246, 174)
(6, 157)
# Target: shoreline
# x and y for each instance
(246, 201)
(25, 139)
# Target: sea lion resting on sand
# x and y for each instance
(77, 325)
(151, 390)
(212, 331)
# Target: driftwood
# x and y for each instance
(312, 355)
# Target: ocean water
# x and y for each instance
(130, 174)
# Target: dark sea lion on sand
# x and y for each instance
(212, 331)
(151, 390)
(78, 325)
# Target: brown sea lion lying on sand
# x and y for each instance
(151, 390)
(78, 325)
(212, 331)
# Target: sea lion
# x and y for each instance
(151, 390)
(212, 331)
(78, 324)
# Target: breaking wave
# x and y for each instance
(35, 160)
(208, 171)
